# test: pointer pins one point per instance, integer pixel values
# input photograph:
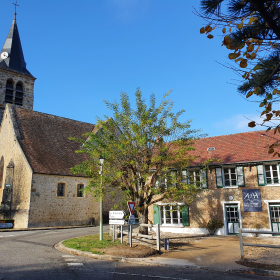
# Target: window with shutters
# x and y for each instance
(170, 215)
(195, 176)
(230, 177)
(271, 174)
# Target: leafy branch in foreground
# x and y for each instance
(251, 33)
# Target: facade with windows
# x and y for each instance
(241, 187)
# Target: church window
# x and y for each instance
(80, 190)
(19, 94)
(9, 92)
(60, 190)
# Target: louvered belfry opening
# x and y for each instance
(19, 94)
(9, 92)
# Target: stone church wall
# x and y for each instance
(11, 152)
(47, 209)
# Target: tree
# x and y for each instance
(140, 147)
(251, 31)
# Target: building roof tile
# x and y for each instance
(236, 148)
(45, 142)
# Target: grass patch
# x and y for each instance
(91, 243)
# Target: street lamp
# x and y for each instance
(101, 160)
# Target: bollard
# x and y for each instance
(113, 233)
(241, 244)
(166, 243)
(158, 236)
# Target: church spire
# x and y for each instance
(11, 56)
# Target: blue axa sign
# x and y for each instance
(252, 200)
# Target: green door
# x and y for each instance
(274, 211)
(232, 218)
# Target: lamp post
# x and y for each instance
(101, 160)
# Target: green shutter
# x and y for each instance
(219, 177)
(185, 216)
(240, 176)
(156, 214)
(203, 179)
(260, 172)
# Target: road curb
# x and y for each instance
(60, 247)
(42, 228)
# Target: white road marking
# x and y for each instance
(148, 276)
(71, 260)
(3, 236)
(74, 264)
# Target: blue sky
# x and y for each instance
(83, 52)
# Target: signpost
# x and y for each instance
(117, 222)
(131, 206)
(116, 214)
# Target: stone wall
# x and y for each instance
(11, 152)
(46, 209)
(209, 203)
(28, 88)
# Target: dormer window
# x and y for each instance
(19, 94)
(9, 92)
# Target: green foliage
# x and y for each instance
(140, 147)
(251, 29)
(213, 225)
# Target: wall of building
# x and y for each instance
(28, 88)
(11, 151)
(47, 209)
(209, 204)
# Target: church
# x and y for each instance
(37, 188)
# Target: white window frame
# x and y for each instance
(163, 219)
(224, 180)
(277, 168)
(194, 173)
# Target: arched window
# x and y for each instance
(9, 92)
(19, 94)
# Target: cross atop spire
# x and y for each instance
(16, 5)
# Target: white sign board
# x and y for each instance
(6, 225)
(116, 214)
(117, 222)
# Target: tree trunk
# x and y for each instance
(143, 219)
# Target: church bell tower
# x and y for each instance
(16, 82)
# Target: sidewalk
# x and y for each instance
(207, 252)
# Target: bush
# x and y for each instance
(214, 225)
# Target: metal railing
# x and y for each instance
(131, 234)
(253, 244)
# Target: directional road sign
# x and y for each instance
(131, 206)
(117, 222)
(116, 214)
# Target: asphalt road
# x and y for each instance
(31, 255)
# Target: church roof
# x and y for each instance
(15, 61)
(45, 142)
